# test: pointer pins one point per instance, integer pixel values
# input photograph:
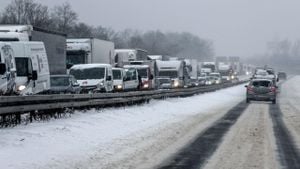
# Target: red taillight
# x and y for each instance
(273, 89)
(249, 89)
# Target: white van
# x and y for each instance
(7, 69)
(131, 79)
(93, 77)
(145, 73)
(32, 68)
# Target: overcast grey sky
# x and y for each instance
(237, 27)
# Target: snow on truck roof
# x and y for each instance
(136, 66)
(171, 64)
(15, 28)
(89, 66)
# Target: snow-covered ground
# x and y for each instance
(114, 137)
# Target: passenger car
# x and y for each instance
(261, 90)
(63, 84)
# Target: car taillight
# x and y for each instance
(273, 89)
(249, 89)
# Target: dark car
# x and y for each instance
(261, 90)
(282, 75)
(64, 84)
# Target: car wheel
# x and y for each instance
(274, 101)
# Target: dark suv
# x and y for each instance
(261, 90)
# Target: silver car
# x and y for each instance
(64, 84)
(261, 90)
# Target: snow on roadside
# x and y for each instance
(71, 139)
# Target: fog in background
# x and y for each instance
(243, 28)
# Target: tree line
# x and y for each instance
(63, 18)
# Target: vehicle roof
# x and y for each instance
(117, 68)
(172, 64)
(87, 66)
(65, 75)
(136, 66)
(261, 79)
(16, 28)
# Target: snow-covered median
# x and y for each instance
(98, 134)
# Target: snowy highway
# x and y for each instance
(216, 130)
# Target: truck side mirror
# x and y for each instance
(34, 75)
(108, 78)
(2, 68)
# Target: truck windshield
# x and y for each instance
(89, 73)
(74, 58)
(171, 74)
(60, 81)
(117, 74)
(143, 73)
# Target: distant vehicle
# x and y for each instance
(64, 84)
(282, 75)
(192, 67)
(93, 77)
(144, 72)
(261, 90)
(164, 83)
(209, 65)
(210, 80)
(55, 43)
(131, 79)
(123, 56)
(202, 79)
(218, 78)
(265, 74)
(32, 68)
(176, 70)
(118, 77)
(7, 69)
(88, 51)
(227, 73)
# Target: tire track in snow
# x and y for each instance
(197, 152)
(288, 153)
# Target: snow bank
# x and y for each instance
(64, 141)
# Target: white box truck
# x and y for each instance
(55, 43)
(88, 51)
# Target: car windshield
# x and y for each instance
(171, 74)
(88, 73)
(117, 74)
(59, 81)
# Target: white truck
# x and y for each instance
(123, 56)
(32, 68)
(55, 43)
(226, 72)
(7, 69)
(89, 51)
(93, 78)
(24, 68)
(175, 70)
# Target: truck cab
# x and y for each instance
(93, 77)
(32, 68)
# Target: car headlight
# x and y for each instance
(228, 78)
(21, 87)
(146, 85)
(176, 83)
(101, 84)
(232, 77)
(119, 86)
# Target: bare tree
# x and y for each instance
(26, 12)
(64, 17)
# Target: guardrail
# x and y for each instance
(18, 105)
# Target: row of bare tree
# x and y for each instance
(63, 18)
